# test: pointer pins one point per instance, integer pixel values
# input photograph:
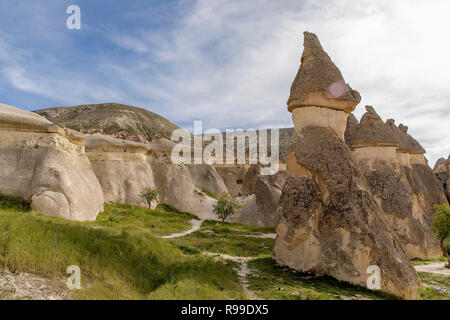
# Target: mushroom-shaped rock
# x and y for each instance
(372, 132)
(319, 82)
(406, 143)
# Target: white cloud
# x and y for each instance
(231, 63)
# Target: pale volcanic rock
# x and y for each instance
(261, 198)
(125, 168)
(121, 168)
(319, 82)
(233, 177)
(46, 164)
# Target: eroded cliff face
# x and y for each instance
(125, 168)
(261, 195)
(47, 165)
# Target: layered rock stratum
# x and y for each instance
(47, 165)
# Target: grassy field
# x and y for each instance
(122, 256)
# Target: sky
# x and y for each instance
(229, 63)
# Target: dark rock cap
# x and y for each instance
(406, 143)
(371, 132)
(319, 82)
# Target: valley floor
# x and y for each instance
(133, 253)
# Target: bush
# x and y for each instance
(226, 206)
(441, 226)
(149, 195)
(10, 202)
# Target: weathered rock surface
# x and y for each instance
(47, 165)
(261, 201)
(371, 132)
(375, 147)
(233, 177)
(125, 168)
(332, 224)
(442, 171)
(319, 82)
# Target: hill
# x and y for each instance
(116, 120)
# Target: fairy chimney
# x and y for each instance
(319, 94)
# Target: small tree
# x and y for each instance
(226, 206)
(441, 226)
(149, 195)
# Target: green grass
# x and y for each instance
(418, 262)
(122, 256)
(431, 282)
(17, 203)
(164, 220)
(272, 282)
(210, 194)
(117, 261)
(233, 228)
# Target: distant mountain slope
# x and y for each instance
(116, 120)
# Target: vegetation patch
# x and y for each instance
(17, 203)
(233, 228)
(435, 286)
(272, 282)
(232, 245)
(119, 255)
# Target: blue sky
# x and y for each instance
(229, 63)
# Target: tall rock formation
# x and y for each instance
(375, 148)
(442, 172)
(46, 164)
(331, 222)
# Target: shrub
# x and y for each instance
(149, 195)
(441, 226)
(226, 206)
(10, 202)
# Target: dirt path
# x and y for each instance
(437, 268)
(242, 272)
(260, 235)
(25, 286)
(196, 224)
